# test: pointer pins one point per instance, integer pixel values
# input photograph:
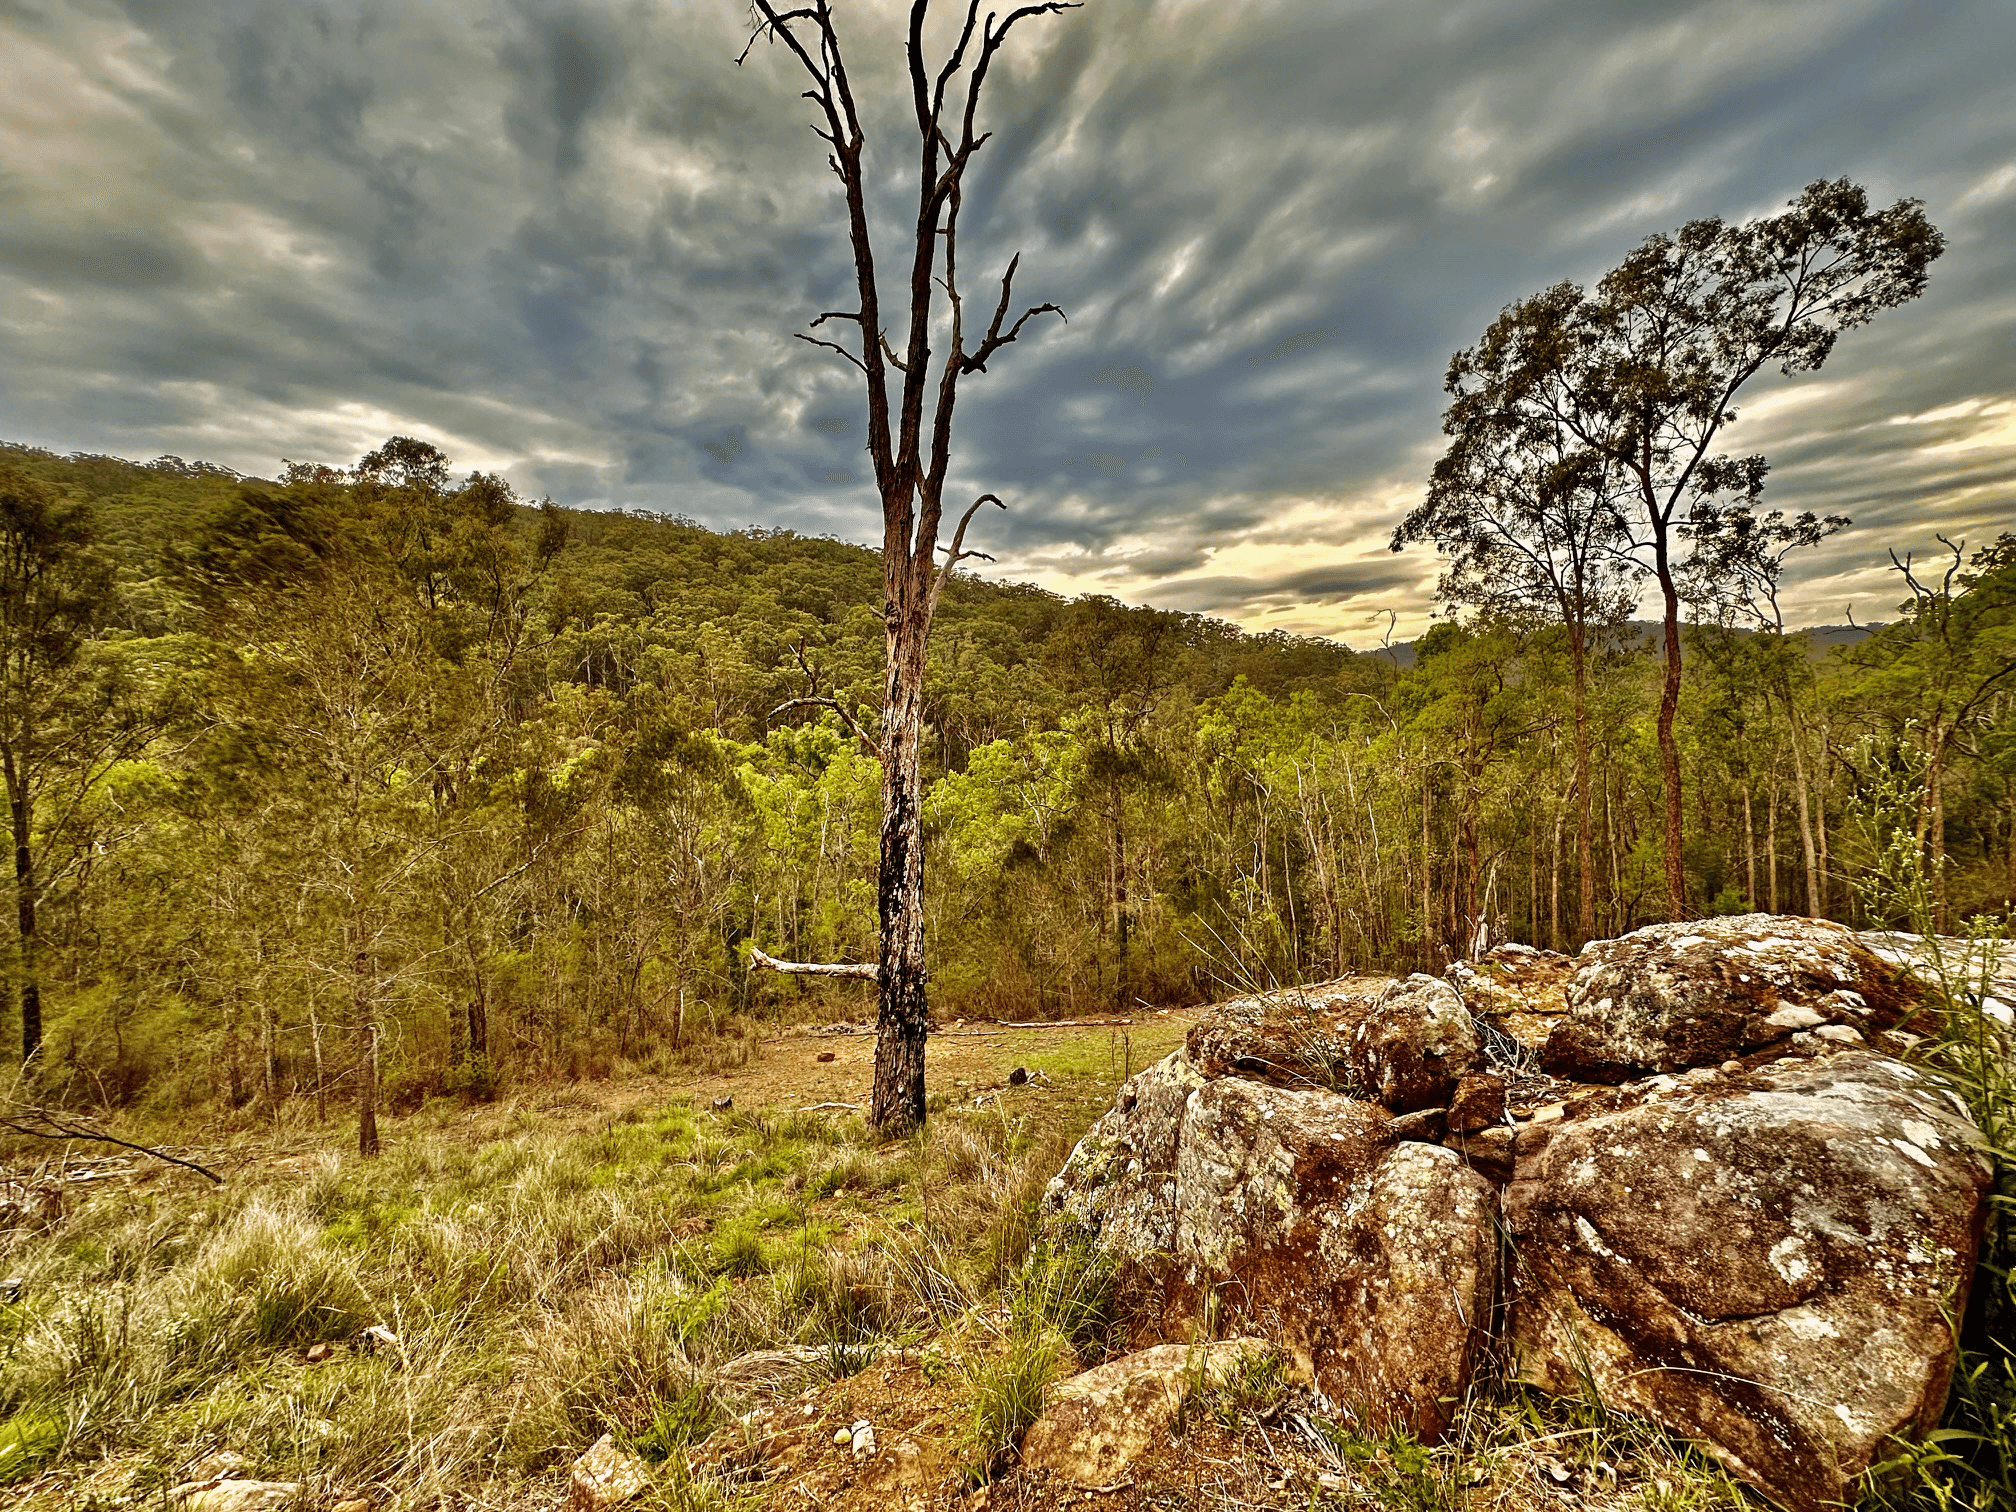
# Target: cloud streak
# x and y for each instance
(573, 241)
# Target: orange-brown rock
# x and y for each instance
(1402, 1043)
(1295, 1215)
(1519, 990)
(1671, 996)
(1098, 1424)
(1762, 1262)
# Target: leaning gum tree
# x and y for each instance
(910, 444)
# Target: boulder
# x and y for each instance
(1670, 996)
(1762, 1261)
(1297, 1037)
(232, 1495)
(1415, 1045)
(605, 1477)
(1098, 1424)
(1402, 1043)
(1518, 990)
(1296, 1214)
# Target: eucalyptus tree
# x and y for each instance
(61, 721)
(1645, 372)
(909, 445)
(1529, 517)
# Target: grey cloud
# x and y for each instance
(573, 240)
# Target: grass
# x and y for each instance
(544, 1285)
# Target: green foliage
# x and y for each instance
(29, 1440)
(530, 761)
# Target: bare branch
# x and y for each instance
(866, 971)
(833, 346)
(956, 552)
(41, 1123)
(995, 339)
(821, 701)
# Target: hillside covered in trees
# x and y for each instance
(380, 778)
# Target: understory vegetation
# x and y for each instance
(465, 1314)
(369, 785)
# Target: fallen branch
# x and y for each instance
(822, 1107)
(40, 1123)
(867, 971)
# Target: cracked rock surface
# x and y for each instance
(1761, 1252)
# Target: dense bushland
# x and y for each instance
(376, 776)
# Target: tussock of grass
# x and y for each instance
(544, 1287)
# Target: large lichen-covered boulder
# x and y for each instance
(1292, 1037)
(1517, 989)
(1402, 1043)
(1297, 1215)
(1764, 1261)
(1670, 996)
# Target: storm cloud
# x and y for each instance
(572, 242)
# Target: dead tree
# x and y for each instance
(910, 445)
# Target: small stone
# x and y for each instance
(862, 1440)
(722, 1105)
(1019, 1076)
(1732, 1068)
(1549, 1113)
(317, 1353)
(1478, 1104)
(11, 1289)
(605, 1477)
(825, 1056)
(1489, 1152)
(378, 1337)
(1839, 1034)
(223, 1465)
(843, 1436)
(1426, 1125)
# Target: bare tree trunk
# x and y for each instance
(904, 1017)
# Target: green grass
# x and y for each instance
(545, 1285)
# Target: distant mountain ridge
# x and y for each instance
(1823, 638)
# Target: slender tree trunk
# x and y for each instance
(1935, 822)
(1120, 920)
(1809, 854)
(1749, 849)
(1554, 887)
(904, 1016)
(27, 966)
(321, 1081)
(1427, 878)
(1669, 745)
(1820, 830)
(1771, 842)
(1585, 842)
(365, 1017)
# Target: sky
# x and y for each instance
(572, 242)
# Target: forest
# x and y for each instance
(369, 785)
